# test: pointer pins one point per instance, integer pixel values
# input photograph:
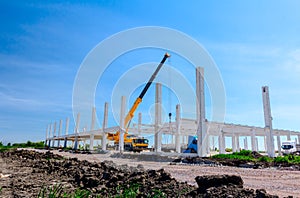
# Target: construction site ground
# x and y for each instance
(274, 181)
(277, 182)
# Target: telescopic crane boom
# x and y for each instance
(135, 105)
(115, 137)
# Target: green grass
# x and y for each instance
(289, 159)
(242, 155)
(246, 156)
(265, 159)
(57, 191)
(28, 144)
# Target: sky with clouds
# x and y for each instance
(42, 45)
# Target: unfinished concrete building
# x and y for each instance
(206, 131)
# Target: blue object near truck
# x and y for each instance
(192, 145)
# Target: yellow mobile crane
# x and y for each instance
(132, 142)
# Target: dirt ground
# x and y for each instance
(279, 182)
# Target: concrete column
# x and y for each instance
(84, 144)
(104, 126)
(253, 144)
(59, 132)
(178, 126)
(298, 139)
(246, 143)
(65, 142)
(93, 118)
(222, 142)
(265, 143)
(77, 123)
(92, 142)
(256, 143)
(122, 117)
(212, 143)
(46, 140)
(66, 132)
(50, 137)
(158, 134)
(234, 149)
(200, 111)
(238, 148)
(208, 142)
(67, 126)
(268, 121)
(77, 131)
(140, 124)
(54, 133)
(288, 137)
(279, 144)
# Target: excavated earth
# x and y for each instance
(26, 173)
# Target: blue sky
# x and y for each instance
(42, 46)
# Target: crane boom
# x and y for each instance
(135, 105)
(131, 142)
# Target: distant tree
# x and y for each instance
(29, 143)
(8, 144)
(1, 144)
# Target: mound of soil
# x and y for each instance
(30, 172)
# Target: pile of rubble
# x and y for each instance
(31, 171)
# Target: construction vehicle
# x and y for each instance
(290, 147)
(133, 142)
